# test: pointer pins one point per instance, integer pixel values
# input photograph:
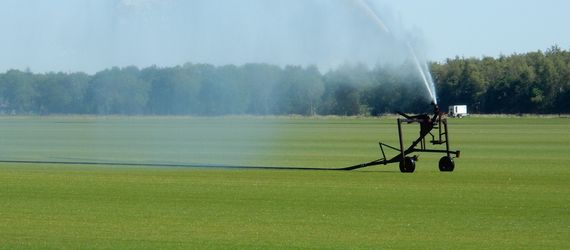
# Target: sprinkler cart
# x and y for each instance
(437, 121)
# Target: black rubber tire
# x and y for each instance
(446, 164)
(408, 166)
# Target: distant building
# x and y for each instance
(457, 111)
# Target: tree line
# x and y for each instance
(535, 82)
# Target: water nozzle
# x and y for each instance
(436, 110)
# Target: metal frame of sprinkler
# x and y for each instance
(408, 163)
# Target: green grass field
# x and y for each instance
(511, 187)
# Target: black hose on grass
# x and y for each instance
(177, 165)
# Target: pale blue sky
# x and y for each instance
(90, 35)
(487, 27)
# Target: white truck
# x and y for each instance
(457, 111)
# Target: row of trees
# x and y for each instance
(201, 89)
(537, 82)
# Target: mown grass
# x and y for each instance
(510, 189)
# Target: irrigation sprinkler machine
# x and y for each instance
(434, 128)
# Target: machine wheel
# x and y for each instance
(446, 164)
(408, 165)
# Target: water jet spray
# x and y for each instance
(423, 71)
(426, 76)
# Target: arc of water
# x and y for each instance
(430, 79)
(424, 73)
(372, 15)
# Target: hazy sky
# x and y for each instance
(486, 27)
(90, 35)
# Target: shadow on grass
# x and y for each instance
(185, 165)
